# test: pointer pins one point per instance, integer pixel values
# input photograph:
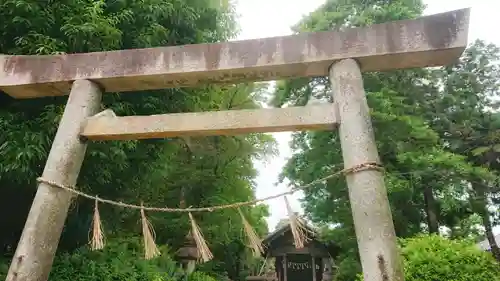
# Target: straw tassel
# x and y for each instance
(150, 248)
(201, 244)
(253, 238)
(297, 225)
(97, 240)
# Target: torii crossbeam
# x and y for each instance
(342, 55)
(429, 41)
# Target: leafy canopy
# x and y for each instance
(203, 171)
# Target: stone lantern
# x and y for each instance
(188, 254)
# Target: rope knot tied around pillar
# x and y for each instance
(363, 167)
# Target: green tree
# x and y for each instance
(428, 182)
(212, 170)
(463, 113)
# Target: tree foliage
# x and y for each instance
(435, 130)
(208, 171)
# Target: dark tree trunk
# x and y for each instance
(430, 210)
(495, 250)
(182, 203)
(482, 208)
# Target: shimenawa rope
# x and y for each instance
(357, 168)
(299, 230)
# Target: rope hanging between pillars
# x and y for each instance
(152, 251)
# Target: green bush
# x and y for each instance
(434, 258)
(200, 276)
(119, 260)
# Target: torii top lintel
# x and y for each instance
(428, 41)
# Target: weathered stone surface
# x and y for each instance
(42, 230)
(429, 41)
(107, 126)
(376, 237)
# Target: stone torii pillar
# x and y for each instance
(38, 244)
(367, 193)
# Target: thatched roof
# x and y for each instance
(285, 229)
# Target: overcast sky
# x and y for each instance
(266, 18)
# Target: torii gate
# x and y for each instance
(428, 41)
